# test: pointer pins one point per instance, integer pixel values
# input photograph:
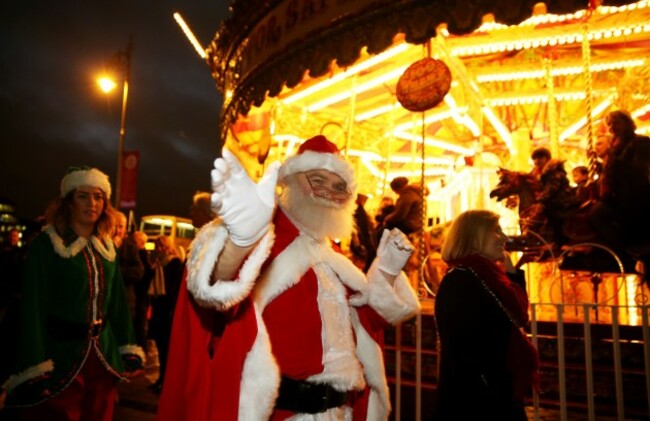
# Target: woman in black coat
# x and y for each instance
(486, 364)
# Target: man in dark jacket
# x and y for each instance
(407, 215)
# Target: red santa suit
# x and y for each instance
(297, 309)
(234, 373)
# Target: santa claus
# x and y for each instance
(273, 322)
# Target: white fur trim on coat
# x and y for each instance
(28, 374)
(260, 381)
(372, 358)
(104, 247)
(204, 254)
(295, 260)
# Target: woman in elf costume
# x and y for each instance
(76, 333)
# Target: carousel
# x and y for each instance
(442, 93)
(445, 94)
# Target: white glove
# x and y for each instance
(245, 208)
(394, 251)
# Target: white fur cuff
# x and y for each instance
(133, 350)
(394, 303)
(204, 255)
(28, 374)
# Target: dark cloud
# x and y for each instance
(53, 116)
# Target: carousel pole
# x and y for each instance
(552, 106)
(586, 62)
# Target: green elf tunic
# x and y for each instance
(73, 303)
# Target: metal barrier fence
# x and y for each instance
(626, 349)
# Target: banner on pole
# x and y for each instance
(128, 191)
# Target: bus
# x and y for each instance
(179, 229)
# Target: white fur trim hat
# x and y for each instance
(318, 153)
(85, 176)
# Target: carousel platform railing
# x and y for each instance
(592, 330)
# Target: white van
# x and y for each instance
(179, 229)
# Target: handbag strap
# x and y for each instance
(487, 289)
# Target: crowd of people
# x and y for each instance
(267, 309)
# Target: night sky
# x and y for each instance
(54, 116)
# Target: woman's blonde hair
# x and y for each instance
(59, 214)
(468, 234)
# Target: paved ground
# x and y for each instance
(138, 403)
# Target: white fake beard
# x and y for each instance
(321, 218)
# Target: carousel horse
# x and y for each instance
(541, 236)
(535, 225)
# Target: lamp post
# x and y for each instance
(119, 64)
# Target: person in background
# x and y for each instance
(163, 292)
(486, 363)
(366, 248)
(120, 229)
(201, 210)
(386, 206)
(555, 196)
(625, 189)
(131, 264)
(12, 260)
(540, 156)
(141, 290)
(276, 323)
(580, 176)
(76, 337)
(601, 148)
(407, 215)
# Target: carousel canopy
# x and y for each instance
(522, 74)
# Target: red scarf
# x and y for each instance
(513, 297)
(523, 358)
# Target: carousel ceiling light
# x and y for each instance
(402, 159)
(376, 112)
(297, 96)
(640, 111)
(498, 125)
(437, 143)
(376, 172)
(538, 98)
(431, 118)
(559, 71)
(598, 109)
(460, 116)
(497, 47)
(541, 20)
(372, 83)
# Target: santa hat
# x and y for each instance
(318, 153)
(85, 176)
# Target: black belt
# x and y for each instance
(304, 397)
(70, 331)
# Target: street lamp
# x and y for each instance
(119, 67)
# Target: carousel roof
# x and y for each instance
(291, 69)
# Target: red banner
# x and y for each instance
(129, 188)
